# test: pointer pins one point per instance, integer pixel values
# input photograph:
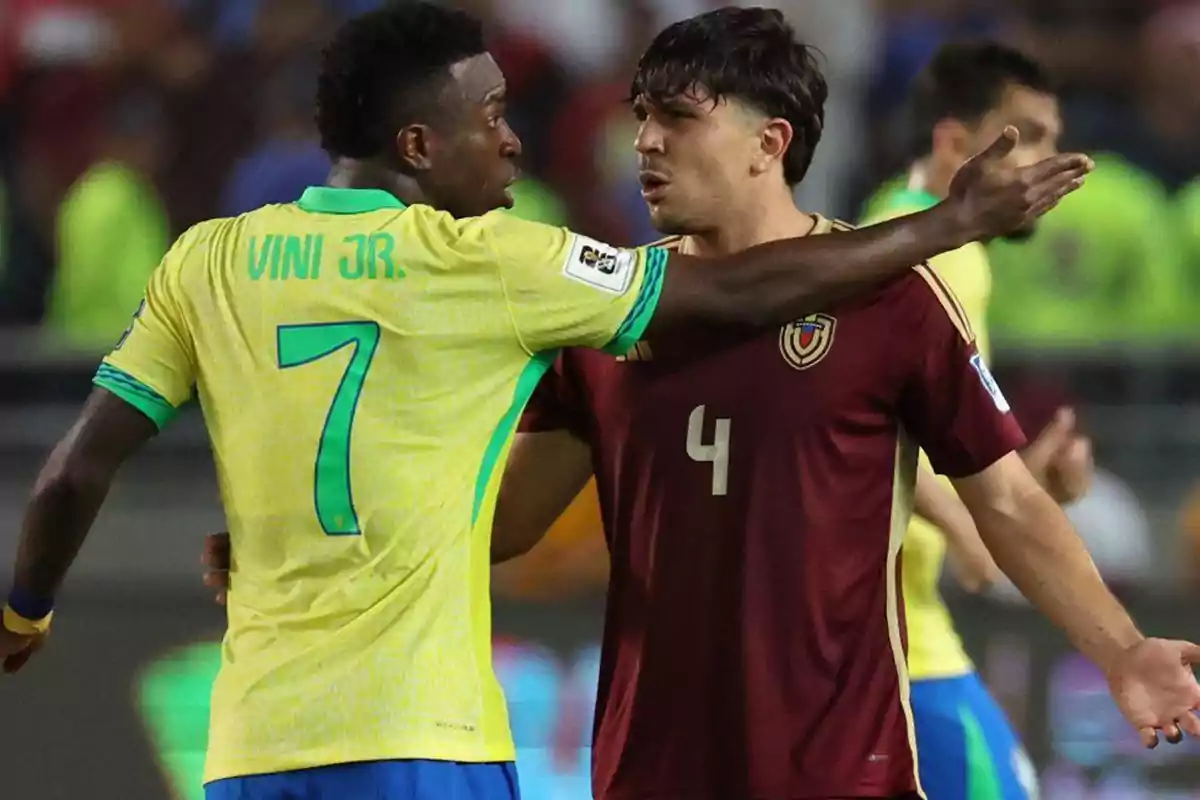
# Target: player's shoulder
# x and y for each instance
(923, 294)
(194, 246)
(502, 232)
(205, 231)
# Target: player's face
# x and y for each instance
(476, 153)
(1035, 115)
(694, 160)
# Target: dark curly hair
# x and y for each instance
(964, 81)
(751, 54)
(385, 68)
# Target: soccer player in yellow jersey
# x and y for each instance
(967, 749)
(362, 357)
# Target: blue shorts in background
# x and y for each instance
(966, 749)
(376, 780)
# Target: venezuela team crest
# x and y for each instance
(806, 341)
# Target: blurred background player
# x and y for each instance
(358, 657)
(964, 97)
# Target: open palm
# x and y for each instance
(1156, 690)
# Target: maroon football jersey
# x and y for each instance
(754, 501)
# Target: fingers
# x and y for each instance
(216, 550)
(1051, 195)
(1074, 164)
(1149, 737)
(1189, 652)
(216, 579)
(1003, 145)
(1059, 431)
(1190, 725)
(1078, 451)
(216, 557)
(1043, 207)
(219, 580)
(1049, 442)
(1173, 733)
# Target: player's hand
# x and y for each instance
(1155, 688)
(16, 649)
(1069, 476)
(989, 199)
(1061, 459)
(216, 560)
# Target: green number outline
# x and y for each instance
(297, 345)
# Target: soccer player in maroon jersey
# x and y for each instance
(753, 499)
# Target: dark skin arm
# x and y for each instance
(775, 283)
(767, 285)
(66, 498)
(545, 472)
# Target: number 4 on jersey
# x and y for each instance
(716, 453)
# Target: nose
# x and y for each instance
(649, 138)
(510, 145)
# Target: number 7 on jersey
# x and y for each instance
(303, 344)
(716, 453)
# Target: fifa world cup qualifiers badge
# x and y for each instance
(599, 265)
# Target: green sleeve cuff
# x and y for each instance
(631, 330)
(137, 394)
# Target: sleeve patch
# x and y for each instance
(600, 265)
(989, 383)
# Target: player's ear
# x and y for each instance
(774, 139)
(951, 137)
(414, 146)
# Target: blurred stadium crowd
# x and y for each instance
(122, 122)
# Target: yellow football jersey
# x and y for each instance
(934, 647)
(361, 366)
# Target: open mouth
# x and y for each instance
(654, 185)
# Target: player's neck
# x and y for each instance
(925, 176)
(751, 224)
(349, 173)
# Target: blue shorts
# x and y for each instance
(966, 750)
(376, 780)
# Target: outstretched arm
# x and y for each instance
(774, 283)
(1034, 543)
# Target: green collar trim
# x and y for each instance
(330, 200)
(913, 198)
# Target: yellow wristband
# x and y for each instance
(25, 627)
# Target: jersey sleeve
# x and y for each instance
(555, 404)
(564, 289)
(153, 366)
(950, 403)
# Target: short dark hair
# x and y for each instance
(965, 80)
(383, 68)
(750, 54)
